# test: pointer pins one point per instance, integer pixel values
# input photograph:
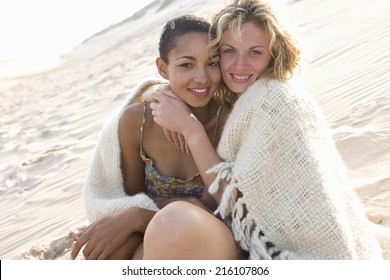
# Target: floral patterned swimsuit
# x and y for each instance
(160, 187)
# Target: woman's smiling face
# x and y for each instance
(242, 61)
(193, 74)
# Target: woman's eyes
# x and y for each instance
(254, 52)
(186, 65)
(228, 51)
(250, 52)
(213, 64)
(209, 64)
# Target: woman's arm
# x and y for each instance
(174, 115)
(132, 165)
(173, 137)
(106, 235)
(104, 191)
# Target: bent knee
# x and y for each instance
(170, 228)
(184, 230)
(175, 218)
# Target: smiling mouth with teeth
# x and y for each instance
(199, 91)
(240, 77)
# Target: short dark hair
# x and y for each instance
(178, 27)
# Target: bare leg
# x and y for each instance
(127, 250)
(139, 252)
(182, 230)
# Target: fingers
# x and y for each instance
(173, 138)
(177, 140)
(103, 255)
(157, 97)
(187, 149)
(166, 90)
(154, 106)
(81, 232)
(92, 251)
(88, 250)
(153, 102)
(162, 96)
(182, 142)
(168, 135)
(83, 239)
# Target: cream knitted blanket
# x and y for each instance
(296, 203)
(104, 190)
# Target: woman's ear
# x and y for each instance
(162, 68)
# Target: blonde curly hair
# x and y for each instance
(285, 53)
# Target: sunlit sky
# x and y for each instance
(43, 29)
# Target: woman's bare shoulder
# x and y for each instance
(131, 120)
(132, 114)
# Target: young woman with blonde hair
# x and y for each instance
(277, 177)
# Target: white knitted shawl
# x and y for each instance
(296, 203)
(104, 192)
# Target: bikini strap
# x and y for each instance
(142, 127)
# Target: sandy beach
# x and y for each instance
(50, 121)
